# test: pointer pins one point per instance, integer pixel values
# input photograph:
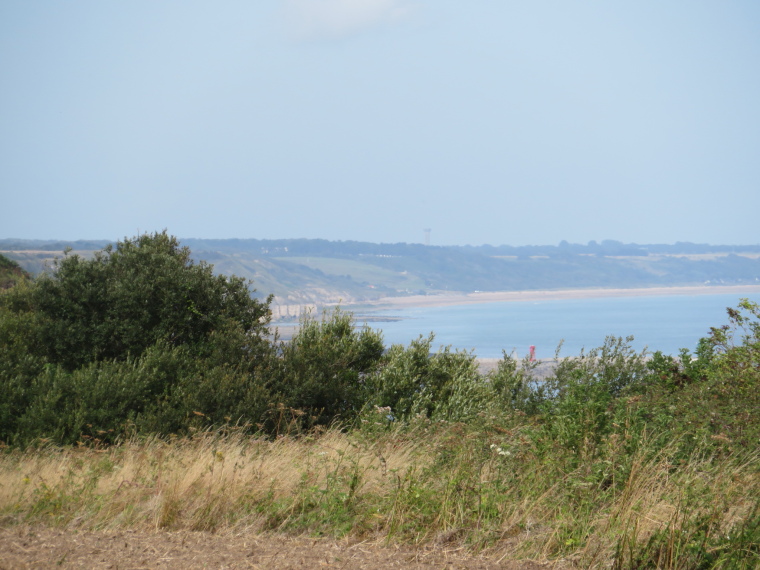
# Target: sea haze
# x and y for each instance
(666, 323)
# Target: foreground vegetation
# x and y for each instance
(141, 391)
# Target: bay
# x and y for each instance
(664, 323)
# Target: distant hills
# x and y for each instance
(312, 271)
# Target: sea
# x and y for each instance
(657, 323)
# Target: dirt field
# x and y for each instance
(24, 547)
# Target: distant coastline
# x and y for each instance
(449, 299)
(364, 310)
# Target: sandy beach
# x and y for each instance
(448, 299)
(364, 310)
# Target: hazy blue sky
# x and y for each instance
(501, 122)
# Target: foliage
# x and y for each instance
(715, 391)
(163, 391)
(10, 273)
(136, 338)
(412, 380)
(514, 385)
(578, 404)
(324, 368)
(613, 367)
(131, 296)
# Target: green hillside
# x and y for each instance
(304, 272)
(363, 272)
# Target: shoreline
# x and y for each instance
(365, 311)
(451, 299)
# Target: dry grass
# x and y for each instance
(440, 486)
(198, 484)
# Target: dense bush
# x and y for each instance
(324, 369)
(413, 380)
(138, 337)
(130, 296)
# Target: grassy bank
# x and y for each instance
(638, 498)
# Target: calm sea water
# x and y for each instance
(666, 323)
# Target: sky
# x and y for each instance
(486, 122)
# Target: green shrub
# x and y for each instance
(324, 368)
(101, 400)
(133, 295)
(444, 385)
(138, 337)
(578, 405)
(514, 385)
(19, 363)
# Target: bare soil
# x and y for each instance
(35, 547)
